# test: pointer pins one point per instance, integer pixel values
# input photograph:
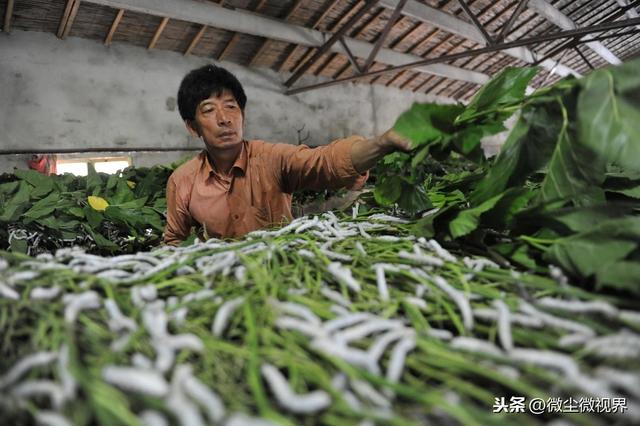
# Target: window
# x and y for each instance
(79, 166)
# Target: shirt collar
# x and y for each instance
(240, 164)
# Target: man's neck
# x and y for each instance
(223, 160)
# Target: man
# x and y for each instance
(236, 186)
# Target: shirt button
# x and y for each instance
(235, 216)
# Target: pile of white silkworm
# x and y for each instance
(420, 279)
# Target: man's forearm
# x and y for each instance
(366, 153)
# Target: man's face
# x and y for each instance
(219, 121)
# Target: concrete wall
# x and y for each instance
(77, 94)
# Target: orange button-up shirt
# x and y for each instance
(258, 193)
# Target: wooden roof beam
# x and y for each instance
(114, 27)
(236, 36)
(8, 13)
(457, 26)
(265, 43)
(69, 15)
(251, 23)
(195, 40)
(158, 33)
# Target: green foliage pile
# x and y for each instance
(564, 189)
(41, 213)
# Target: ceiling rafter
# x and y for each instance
(114, 26)
(8, 13)
(195, 40)
(265, 44)
(334, 27)
(373, 19)
(158, 33)
(69, 15)
(314, 26)
(235, 38)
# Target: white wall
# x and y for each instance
(77, 93)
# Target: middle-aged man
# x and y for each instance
(235, 185)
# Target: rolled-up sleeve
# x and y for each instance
(178, 218)
(325, 167)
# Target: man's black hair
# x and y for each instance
(204, 82)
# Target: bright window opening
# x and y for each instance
(80, 166)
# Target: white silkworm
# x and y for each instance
(352, 400)
(459, 298)
(23, 276)
(223, 314)
(306, 253)
(289, 228)
(354, 210)
(8, 293)
(345, 321)
(152, 418)
(388, 238)
(184, 410)
(306, 328)
(339, 310)
(492, 315)
(337, 256)
(504, 324)
(308, 225)
(155, 320)
(358, 245)
(118, 321)
(45, 293)
(179, 316)
(309, 403)
(334, 296)
(630, 316)
(362, 232)
(201, 393)
(351, 355)
(79, 302)
(381, 281)
(423, 259)
(25, 364)
(113, 274)
(343, 275)
(68, 381)
(439, 333)
(622, 345)
(398, 356)
(297, 310)
(478, 265)
(621, 379)
(578, 306)
(381, 343)
(120, 343)
(165, 356)
(184, 341)
(30, 388)
(198, 295)
(421, 289)
(555, 321)
(548, 359)
(361, 331)
(141, 361)
(339, 381)
(387, 218)
(573, 339)
(147, 382)
(443, 253)
(51, 418)
(418, 303)
(241, 419)
(559, 276)
(240, 273)
(471, 344)
(366, 391)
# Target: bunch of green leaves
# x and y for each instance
(41, 213)
(563, 189)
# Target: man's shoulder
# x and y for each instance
(188, 169)
(261, 148)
